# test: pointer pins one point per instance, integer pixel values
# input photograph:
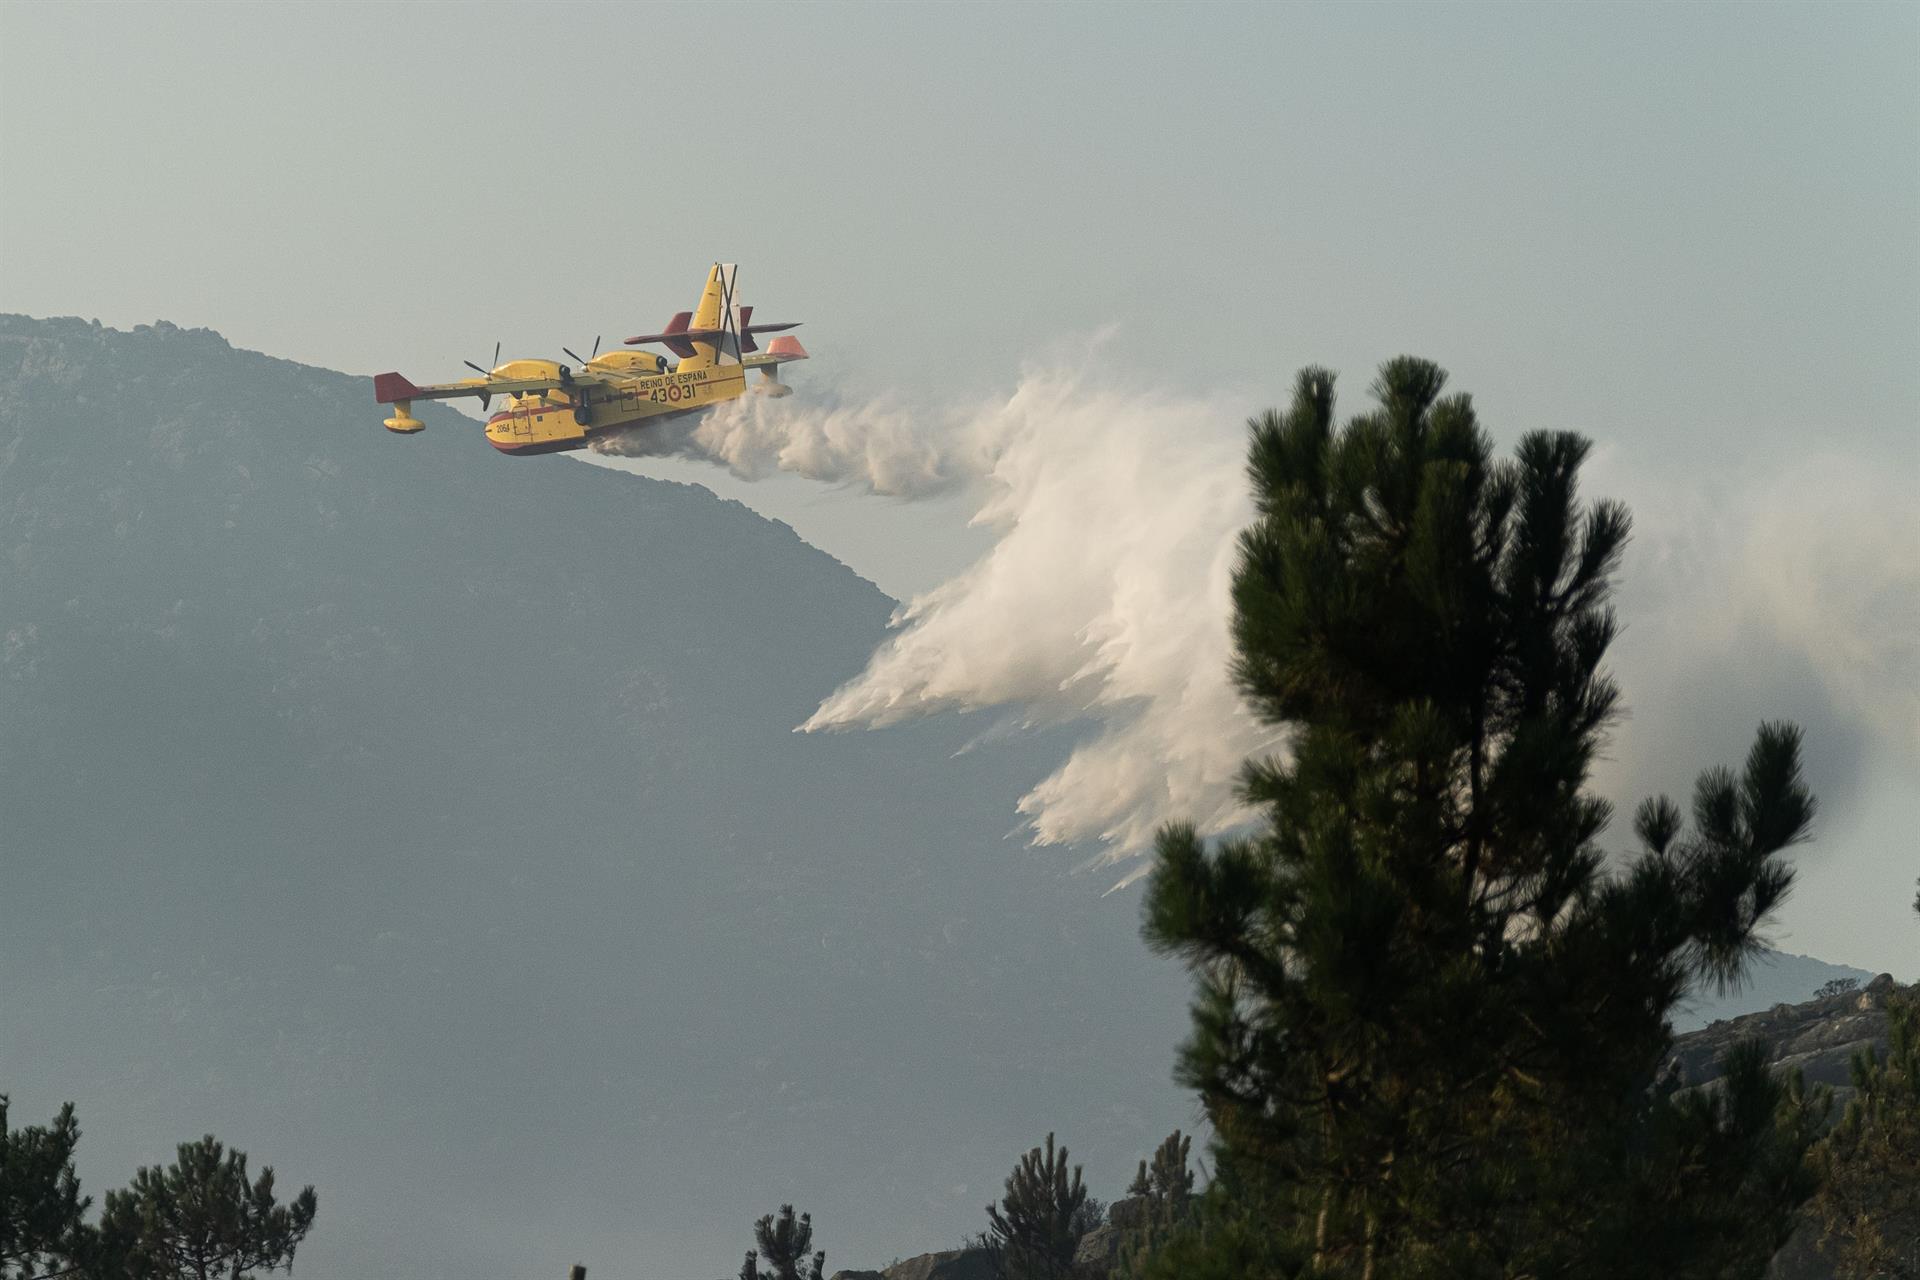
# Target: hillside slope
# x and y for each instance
(1818, 1039)
(430, 824)
(1774, 978)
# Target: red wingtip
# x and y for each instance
(389, 387)
(787, 346)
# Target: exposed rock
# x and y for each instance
(955, 1264)
(1099, 1250)
(1817, 1038)
(1128, 1211)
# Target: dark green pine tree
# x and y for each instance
(1035, 1229)
(1163, 1204)
(200, 1218)
(785, 1242)
(1430, 1021)
(1868, 1204)
(41, 1209)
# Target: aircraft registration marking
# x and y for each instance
(675, 387)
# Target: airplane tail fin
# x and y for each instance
(715, 316)
(718, 331)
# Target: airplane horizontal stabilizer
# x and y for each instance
(389, 387)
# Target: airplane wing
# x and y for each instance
(391, 388)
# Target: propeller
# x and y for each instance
(576, 355)
(486, 398)
(485, 373)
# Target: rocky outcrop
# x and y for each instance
(955, 1264)
(1099, 1250)
(1817, 1038)
(858, 1275)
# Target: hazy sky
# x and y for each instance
(1690, 231)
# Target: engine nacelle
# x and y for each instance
(634, 363)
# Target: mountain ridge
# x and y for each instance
(417, 818)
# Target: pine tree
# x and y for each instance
(1429, 1020)
(784, 1242)
(200, 1219)
(41, 1208)
(1035, 1229)
(1868, 1205)
(1163, 1204)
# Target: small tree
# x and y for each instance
(1036, 1227)
(784, 1242)
(1166, 1183)
(201, 1219)
(1835, 987)
(1868, 1205)
(1164, 1203)
(41, 1229)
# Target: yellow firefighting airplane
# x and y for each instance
(549, 407)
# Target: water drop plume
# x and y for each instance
(1104, 597)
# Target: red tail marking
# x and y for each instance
(389, 387)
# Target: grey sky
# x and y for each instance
(1690, 231)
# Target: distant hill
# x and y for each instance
(1774, 978)
(429, 824)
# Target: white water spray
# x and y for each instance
(1105, 596)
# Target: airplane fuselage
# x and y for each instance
(548, 407)
(559, 420)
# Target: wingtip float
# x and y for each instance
(550, 407)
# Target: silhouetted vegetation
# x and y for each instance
(785, 1243)
(200, 1218)
(1836, 987)
(1037, 1225)
(1162, 1203)
(42, 1227)
(1428, 1021)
